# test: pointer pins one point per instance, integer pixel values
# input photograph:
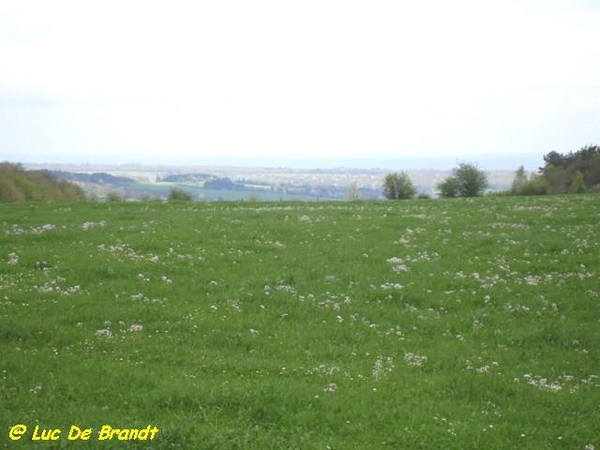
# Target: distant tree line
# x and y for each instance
(17, 184)
(223, 184)
(573, 172)
(186, 177)
(98, 177)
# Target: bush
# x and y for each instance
(466, 181)
(398, 186)
(9, 192)
(577, 185)
(114, 197)
(528, 185)
(448, 188)
(179, 195)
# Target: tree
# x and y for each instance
(519, 182)
(114, 196)
(528, 185)
(398, 186)
(178, 194)
(557, 178)
(577, 185)
(353, 193)
(560, 170)
(466, 181)
(448, 188)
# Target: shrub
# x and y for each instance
(398, 186)
(114, 197)
(178, 194)
(528, 185)
(466, 181)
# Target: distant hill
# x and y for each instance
(97, 177)
(187, 177)
(18, 184)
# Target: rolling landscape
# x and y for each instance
(226, 183)
(321, 225)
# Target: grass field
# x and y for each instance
(447, 324)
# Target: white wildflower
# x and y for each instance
(388, 286)
(382, 367)
(104, 334)
(13, 259)
(413, 359)
(331, 387)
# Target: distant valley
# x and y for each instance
(221, 183)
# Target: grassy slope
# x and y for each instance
(279, 326)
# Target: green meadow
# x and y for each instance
(419, 324)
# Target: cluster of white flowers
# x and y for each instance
(330, 388)
(235, 305)
(532, 280)
(542, 383)
(104, 333)
(122, 249)
(382, 367)
(88, 225)
(143, 298)
(13, 259)
(54, 285)
(415, 360)
(42, 229)
(285, 288)
(485, 368)
(323, 369)
(388, 286)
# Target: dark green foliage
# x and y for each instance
(114, 197)
(178, 194)
(97, 177)
(525, 184)
(223, 183)
(466, 181)
(577, 184)
(448, 188)
(17, 184)
(398, 186)
(561, 170)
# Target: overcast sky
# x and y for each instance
(144, 81)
